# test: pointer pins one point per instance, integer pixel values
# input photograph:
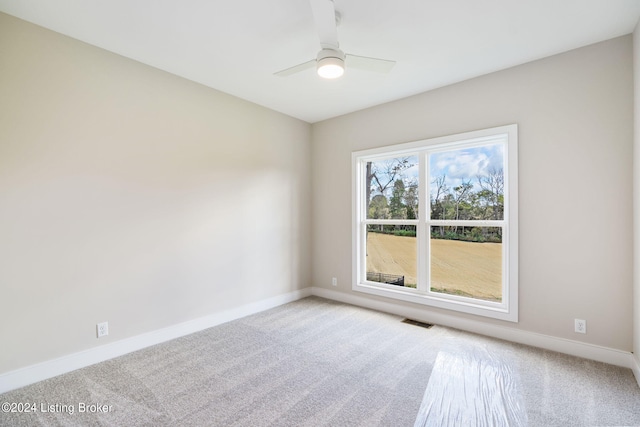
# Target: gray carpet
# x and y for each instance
(315, 362)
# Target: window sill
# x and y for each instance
(448, 302)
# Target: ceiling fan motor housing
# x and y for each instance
(330, 63)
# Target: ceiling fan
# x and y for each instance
(330, 61)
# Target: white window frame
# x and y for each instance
(507, 309)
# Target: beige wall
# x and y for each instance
(574, 113)
(636, 196)
(132, 196)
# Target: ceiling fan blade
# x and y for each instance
(296, 68)
(369, 64)
(324, 15)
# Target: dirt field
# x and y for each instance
(460, 268)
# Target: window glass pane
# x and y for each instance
(467, 261)
(467, 184)
(391, 188)
(392, 254)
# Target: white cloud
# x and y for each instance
(466, 164)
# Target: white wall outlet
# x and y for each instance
(581, 326)
(334, 281)
(102, 329)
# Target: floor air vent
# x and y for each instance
(416, 323)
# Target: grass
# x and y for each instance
(457, 268)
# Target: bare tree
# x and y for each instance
(411, 200)
(492, 185)
(461, 193)
(381, 175)
(441, 188)
(437, 207)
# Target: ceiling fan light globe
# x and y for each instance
(330, 63)
(330, 68)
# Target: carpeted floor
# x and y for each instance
(315, 362)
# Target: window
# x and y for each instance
(435, 222)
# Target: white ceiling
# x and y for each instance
(236, 46)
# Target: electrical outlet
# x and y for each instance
(102, 329)
(334, 281)
(581, 326)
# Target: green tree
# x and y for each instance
(397, 209)
(379, 207)
(411, 201)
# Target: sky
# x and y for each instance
(457, 165)
(466, 164)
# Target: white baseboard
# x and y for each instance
(636, 367)
(51, 368)
(561, 345)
